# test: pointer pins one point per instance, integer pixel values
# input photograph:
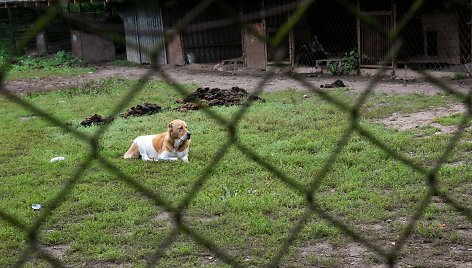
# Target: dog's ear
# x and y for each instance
(170, 125)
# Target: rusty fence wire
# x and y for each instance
(395, 42)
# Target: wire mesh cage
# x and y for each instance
(437, 38)
(339, 35)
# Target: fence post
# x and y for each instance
(12, 35)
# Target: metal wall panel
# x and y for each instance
(131, 35)
(214, 45)
(373, 44)
(144, 31)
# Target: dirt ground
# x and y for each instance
(217, 76)
(208, 76)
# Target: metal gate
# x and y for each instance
(373, 44)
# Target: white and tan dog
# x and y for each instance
(171, 145)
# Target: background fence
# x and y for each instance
(442, 42)
(436, 38)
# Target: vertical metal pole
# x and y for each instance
(394, 15)
(264, 29)
(12, 35)
(359, 48)
(291, 49)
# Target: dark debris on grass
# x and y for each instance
(336, 84)
(202, 97)
(142, 109)
(95, 119)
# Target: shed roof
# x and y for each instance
(26, 3)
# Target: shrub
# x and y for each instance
(60, 59)
(348, 63)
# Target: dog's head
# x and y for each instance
(178, 130)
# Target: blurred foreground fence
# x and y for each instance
(340, 35)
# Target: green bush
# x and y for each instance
(348, 63)
(4, 51)
(60, 59)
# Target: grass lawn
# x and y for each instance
(242, 208)
(53, 71)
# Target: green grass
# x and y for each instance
(242, 207)
(450, 120)
(124, 63)
(53, 71)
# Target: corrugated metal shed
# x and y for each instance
(144, 30)
(216, 43)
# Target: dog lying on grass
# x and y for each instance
(171, 145)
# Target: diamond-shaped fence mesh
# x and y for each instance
(388, 36)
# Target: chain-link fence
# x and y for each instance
(380, 34)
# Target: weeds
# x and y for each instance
(348, 63)
(431, 230)
(459, 76)
(59, 64)
(60, 59)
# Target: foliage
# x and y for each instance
(4, 52)
(430, 230)
(59, 64)
(348, 63)
(459, 76)
(450, 120)
(60, 59)
(86, 7)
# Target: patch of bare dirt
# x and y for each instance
(403, 122)
(57, 251)
(208, 260)
(415, 253)
(163, 217)
(204, 75)
(322, 248)
(352, 255)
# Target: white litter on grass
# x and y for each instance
(56, 159)
(36, 206)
